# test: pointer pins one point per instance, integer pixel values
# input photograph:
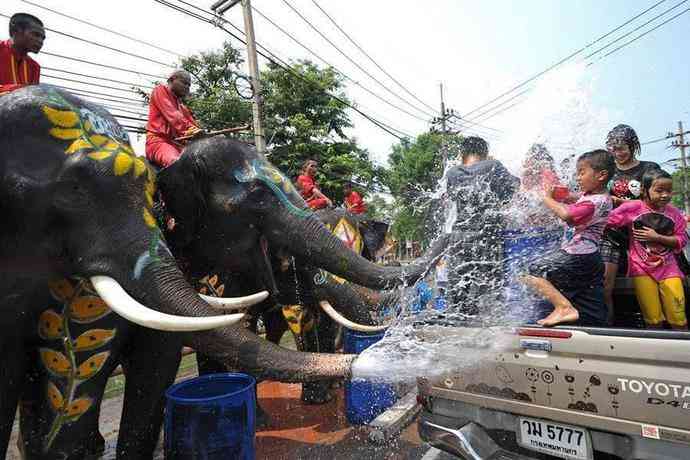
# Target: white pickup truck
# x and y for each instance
(568, 392)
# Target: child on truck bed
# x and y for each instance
(658, 232)
(572, 277)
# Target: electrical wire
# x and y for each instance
(89, 83)
(106, 66)
(271, 57)
(355, 63)
(347, 77)
(101, 45)
(96, 77)
(372, 59)
(636, 29)
(104, 96)
(105, 29)
(563, 60)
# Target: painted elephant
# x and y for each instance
(78, 239)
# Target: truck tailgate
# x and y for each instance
(625, 384)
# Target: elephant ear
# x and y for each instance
(182, 189)
(374, 236)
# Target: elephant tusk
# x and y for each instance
(234, 303)
(340, 319)
(124, 305)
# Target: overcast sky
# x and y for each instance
(476, 49)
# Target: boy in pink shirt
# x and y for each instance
(572, 278)
(658, 233)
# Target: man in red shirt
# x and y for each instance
(309, 189)
(169, 119)
(17, 69)
(353, 200)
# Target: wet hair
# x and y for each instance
(649, 176)
(474, 145)
(600, 160)
(22, 21)
(624, 134)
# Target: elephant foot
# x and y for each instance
(263, 420)
(316, 392)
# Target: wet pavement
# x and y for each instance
(295, 430)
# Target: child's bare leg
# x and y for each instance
(563, 311)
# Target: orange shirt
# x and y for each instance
(16, 70)
(355, 204)
(169, 118)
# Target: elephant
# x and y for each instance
(83, 256)
(89, 283)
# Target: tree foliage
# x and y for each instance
(301, 120)
(415, 169)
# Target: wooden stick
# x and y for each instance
(215, 133)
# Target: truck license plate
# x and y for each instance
(556, 439)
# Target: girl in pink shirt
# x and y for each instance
(658, 233)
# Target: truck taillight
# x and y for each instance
(548, 333)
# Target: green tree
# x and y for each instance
(415, 168)
(301, 120)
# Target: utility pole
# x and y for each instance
(445, 116)
(681, 145)
(221, 7)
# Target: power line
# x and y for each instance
(96, 77)
(104, 96)
(607, 54)
(105, 29)
(635, 29)
(640, 36)
(107, 66)
(355, 63)
(271, 57)
(565, 59)
(89, 83)
(370, 58)
(101, 45)
(334, 67)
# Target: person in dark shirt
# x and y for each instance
(625, 185)
(477, 191)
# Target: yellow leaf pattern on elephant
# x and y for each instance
(93, 339)
(148, 219)
(98, 140)
(298, 318)
(55, 362)
(61, 289)
(111, 145)
(78, 407)
(91, 366)
(123, 163)
(55, 398)
(87, 309)
(77, 146)
(62, 118)
(139, 166)
(100, 155)
(66, 133)
(50, 325)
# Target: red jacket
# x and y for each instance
(355, 204)
(16, 70)
(169, 118)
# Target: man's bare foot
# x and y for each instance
(560, 315)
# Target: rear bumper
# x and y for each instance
(493, 433)
(469, 442)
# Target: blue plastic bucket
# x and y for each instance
(364, 401)
(521, 248)
(211, 417)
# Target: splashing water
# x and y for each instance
(491, 243)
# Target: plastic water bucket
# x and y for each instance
(211, 417)
(364, 401)
(521, 248)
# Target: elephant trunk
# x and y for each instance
(237, 347)
(307, 237)
(357, 303)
